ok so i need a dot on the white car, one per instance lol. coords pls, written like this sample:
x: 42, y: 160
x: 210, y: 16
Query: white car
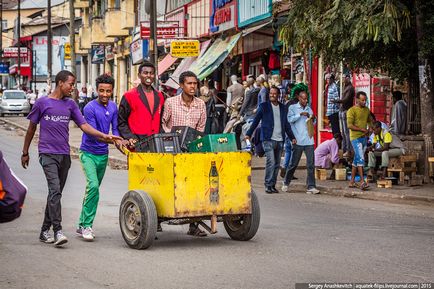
x: 14, y: 102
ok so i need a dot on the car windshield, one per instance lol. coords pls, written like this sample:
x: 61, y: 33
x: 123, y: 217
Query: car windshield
x: 14, y: 95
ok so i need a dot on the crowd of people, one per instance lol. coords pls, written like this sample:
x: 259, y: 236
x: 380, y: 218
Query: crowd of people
x: 275, y: 118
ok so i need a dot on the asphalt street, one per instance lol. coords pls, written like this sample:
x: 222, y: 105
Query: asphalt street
x: 302, y: 238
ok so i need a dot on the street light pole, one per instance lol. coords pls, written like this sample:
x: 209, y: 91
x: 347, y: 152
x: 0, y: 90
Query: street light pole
x: 19, y: 45
x: 49, y: 45
x: 153, y: 39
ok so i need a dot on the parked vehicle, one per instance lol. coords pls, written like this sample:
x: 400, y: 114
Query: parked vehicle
x: 14, y: 102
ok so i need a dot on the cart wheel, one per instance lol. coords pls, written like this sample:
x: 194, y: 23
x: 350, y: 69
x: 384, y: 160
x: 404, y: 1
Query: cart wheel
x: 244, y: 227
x: 138, y: 219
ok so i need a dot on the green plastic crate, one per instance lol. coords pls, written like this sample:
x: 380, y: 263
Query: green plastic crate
x: 214, y: 143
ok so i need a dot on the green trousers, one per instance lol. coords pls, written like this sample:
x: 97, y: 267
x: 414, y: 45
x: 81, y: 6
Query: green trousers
x: 94, y: 167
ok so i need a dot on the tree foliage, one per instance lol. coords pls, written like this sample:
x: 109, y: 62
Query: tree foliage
x: 365, y: 34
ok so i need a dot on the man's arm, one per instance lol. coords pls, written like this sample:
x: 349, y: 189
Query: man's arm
x: 335, y: 154
x: 88, y: 129
x: 293, y: 116
x: 27, y: 141
x: 255, y: 122
x: 167, y: 115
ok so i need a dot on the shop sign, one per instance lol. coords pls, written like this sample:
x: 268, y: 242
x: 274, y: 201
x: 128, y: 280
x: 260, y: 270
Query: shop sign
x: 185, y: 48
x: 67, y: 51
x: 165, y: 29
x: 109, y: 54
x: 98, y: 54
x: 362, y: 82
x: 139, y: 50
x: 12, y: 52
x: 222, y: 15
x: 4, y: 68
x: 58, y: 62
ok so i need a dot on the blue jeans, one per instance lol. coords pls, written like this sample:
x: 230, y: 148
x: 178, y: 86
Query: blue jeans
x: 310, y: 164
x: 273, y: 152
x: 288, y: 153
x: 359, y: 146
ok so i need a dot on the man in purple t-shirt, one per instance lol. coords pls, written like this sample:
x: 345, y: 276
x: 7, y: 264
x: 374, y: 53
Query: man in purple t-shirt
x: 100, y: 113
x: 53, y: 113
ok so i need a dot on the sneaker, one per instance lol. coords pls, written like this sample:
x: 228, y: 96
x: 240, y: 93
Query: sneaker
x: 46, y: 237
x: 285, y: 188
x: 60, y: 239
x: 313, y: 191
x: 87, y: 234
x: 79, y: 230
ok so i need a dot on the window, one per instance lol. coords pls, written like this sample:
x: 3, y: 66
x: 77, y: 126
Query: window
x: 4, y: 25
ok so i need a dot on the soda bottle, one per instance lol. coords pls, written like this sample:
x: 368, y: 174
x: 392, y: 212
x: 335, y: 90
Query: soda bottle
x: 213, y: 184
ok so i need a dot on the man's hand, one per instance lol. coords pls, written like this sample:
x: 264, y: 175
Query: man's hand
x: 132, y: 142
x: 294, y: 141
x: 121, y: 145
x: 247, y: 138
x: 25, y: 160
x: 304, y: 113
x: 109, y: 138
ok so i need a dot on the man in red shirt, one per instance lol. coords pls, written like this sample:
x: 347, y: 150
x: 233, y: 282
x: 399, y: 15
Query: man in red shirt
x: 140, y: 108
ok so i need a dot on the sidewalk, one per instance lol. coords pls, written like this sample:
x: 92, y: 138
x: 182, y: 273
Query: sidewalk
x: 418, y: 194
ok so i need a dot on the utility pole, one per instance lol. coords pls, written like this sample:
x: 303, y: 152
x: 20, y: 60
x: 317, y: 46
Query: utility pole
x: 72, y: 36
x: 1, y: 38
x: 49, y: 46
x: 153, y: 39
x: 19, y: 45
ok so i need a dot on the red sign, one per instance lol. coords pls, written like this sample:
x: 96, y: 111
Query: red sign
x: 165, y: 29
x: 12, y: 52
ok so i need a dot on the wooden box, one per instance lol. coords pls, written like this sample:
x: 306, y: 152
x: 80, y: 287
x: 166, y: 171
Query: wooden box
x: 321, y: 174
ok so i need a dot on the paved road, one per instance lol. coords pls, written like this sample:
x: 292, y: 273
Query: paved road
x: 302, y: 238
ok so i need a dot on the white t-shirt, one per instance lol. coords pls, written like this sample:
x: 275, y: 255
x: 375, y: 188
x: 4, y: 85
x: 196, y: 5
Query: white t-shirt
x: 277, y: 131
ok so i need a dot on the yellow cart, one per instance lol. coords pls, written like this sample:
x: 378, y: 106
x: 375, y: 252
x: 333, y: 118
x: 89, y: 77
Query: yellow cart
x: 185, y: 188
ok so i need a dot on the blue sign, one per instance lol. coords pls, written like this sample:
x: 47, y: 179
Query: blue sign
x: 4, y: 68
x: 223, y: 16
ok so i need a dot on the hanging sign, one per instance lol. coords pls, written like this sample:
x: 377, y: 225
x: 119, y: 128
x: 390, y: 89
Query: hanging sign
x: 184, y: 48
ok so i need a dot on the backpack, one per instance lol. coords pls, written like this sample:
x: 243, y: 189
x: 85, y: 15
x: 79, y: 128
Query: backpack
x: 12, y: 193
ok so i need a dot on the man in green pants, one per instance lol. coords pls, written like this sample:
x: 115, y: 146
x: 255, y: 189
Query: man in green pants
x: 100, y: 114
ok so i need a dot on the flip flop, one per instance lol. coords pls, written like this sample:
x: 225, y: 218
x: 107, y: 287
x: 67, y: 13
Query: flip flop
x: 363, y: 186
x: 352, y: 185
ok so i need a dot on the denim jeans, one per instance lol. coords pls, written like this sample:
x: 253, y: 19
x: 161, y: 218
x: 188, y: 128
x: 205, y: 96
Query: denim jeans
x: 56, y: 169
x: 273, y: 152
x: 310, y: 164
x: 359, y: 146
x: 288, y: 153
x: 346, y: 143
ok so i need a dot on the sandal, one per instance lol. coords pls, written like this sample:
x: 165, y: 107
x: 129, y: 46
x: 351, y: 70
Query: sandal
x: 352, y: 185
x: 196, y: 232
x: 363, y: 186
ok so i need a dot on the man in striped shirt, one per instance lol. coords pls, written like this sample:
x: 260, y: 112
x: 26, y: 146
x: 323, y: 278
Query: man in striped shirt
x: 333, y: 105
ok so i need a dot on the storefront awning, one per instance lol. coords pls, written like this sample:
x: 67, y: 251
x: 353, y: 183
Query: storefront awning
x: 214, y: 56
x: 164, y: 64
x: 185, y: 65
x: 254, y: 28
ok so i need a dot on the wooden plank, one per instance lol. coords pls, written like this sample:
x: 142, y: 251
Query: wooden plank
x: 384, y: 184
x: 404, y: 170
x: 408, y: 158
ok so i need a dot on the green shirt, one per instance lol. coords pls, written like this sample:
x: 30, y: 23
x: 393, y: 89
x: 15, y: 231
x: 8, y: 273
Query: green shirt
x: 359, y: 117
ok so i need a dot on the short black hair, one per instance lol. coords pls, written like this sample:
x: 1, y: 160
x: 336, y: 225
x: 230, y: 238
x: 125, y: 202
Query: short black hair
x: 377, y: 124
x: 397, y: 95
x: 105, y: 78
x: 63, y: 76
x: 146, y: 64
x: 338, y: 136
x: 359, y: 93
x: 186, y: 74
x: 276, y: 88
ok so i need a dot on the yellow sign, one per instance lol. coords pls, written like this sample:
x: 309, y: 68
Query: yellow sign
x: 184, y: 48
x: 67, y: 51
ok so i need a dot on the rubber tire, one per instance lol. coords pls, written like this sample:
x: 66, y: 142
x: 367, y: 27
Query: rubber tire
x: 250, y: 225
x: 148, y: 219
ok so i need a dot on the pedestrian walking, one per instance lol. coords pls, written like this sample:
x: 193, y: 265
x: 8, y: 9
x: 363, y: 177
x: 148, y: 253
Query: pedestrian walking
x: 358, y: 119
x: 301, y: 116
x: 332, y: 112
x: 274, y: 126
x: 186, y: 110
x: 54, y: 113
x: 101, y: 114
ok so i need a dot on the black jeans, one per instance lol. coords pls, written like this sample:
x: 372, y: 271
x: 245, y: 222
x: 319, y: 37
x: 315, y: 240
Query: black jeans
x: 334, y: 122
x: 56, y: 169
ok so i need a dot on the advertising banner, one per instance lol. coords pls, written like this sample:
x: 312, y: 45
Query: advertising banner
x: 98, y: 54
x: 40, y: 44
